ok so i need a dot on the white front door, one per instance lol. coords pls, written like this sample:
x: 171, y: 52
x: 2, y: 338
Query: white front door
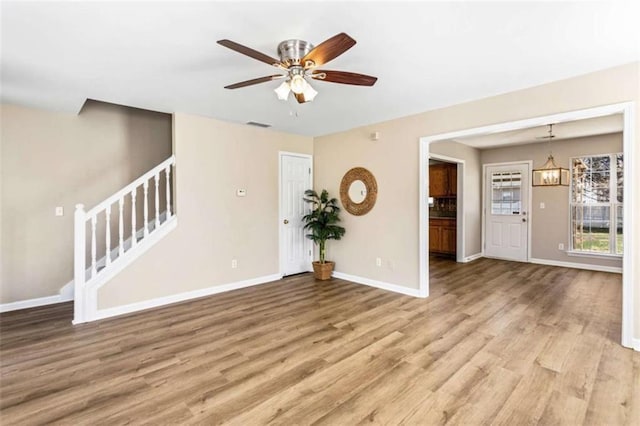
x: 507, y: 215
x: 295, y: 248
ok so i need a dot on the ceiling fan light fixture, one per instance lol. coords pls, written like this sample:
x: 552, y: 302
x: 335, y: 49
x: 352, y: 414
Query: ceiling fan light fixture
x: 309, y: 93
x: 283, y: 91
x: 298, y: 84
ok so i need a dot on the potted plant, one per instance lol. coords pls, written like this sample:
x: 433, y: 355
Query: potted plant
x: 322, y: 222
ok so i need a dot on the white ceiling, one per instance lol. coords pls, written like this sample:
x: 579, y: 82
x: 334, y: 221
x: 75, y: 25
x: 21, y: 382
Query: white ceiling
x: 163, y: 56
x: 567, y: 130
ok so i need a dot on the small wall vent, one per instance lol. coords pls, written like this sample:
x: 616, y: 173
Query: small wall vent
x: 254, y: 123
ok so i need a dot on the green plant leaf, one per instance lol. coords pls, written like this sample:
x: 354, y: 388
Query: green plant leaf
x: 321, y: 220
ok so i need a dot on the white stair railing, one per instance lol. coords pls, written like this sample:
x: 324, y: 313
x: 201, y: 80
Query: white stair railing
x: 115, y: 256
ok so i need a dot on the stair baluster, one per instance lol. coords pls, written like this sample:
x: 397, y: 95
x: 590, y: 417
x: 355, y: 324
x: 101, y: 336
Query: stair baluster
x: 157, y: 199
x: 134, y: 239
x: 146, y: 208
x: 120, y: 227
x: 167, y: 173
x: 94, y: 269
x: 107, y: 236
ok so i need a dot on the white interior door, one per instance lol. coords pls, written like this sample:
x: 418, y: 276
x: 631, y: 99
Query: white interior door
x: 506, y: 217
x: 295, y: 178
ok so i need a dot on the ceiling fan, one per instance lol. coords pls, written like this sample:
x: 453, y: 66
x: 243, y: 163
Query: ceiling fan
x: 299, y: 59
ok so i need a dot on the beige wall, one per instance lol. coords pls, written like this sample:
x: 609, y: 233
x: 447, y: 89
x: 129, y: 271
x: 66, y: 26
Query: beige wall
x: 471, y: 193
x: 55, y: 159
x: 214, y: 158
x: 391, y: 229
x: 550, y: 226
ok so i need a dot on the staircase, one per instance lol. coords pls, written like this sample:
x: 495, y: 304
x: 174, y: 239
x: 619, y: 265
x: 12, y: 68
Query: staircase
x: 96, y: 260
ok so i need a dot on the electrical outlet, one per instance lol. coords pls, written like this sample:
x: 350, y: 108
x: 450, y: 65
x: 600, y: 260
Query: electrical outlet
x: 378, y: 261
x: 560, y: 246
x: 234, y: 263
x: 542, y: 206
x: 59, y: 211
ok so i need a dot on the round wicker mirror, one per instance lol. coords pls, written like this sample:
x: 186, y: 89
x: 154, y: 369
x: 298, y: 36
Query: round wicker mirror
x: 358, y: 191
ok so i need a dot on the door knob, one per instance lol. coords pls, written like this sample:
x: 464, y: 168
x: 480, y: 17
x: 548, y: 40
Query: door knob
x: 524, y: 220
x: 286, y: 221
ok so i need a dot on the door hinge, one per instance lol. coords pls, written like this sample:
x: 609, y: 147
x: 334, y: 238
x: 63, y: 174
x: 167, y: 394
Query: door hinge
x: 309, y: 252
x: 309, y: 170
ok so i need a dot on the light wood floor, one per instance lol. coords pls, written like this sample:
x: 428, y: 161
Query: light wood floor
x: 493, y: 344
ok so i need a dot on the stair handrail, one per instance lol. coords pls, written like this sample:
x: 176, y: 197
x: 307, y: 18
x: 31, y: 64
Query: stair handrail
x: 127, y: 189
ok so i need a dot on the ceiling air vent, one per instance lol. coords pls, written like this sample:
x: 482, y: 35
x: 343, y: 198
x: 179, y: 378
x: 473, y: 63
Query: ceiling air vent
x: 253, y: 123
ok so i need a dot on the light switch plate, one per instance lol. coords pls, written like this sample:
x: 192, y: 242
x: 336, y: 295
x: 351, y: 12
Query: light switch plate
x: 542, y: 206
x: 241, y: 192
x: 59, y: 211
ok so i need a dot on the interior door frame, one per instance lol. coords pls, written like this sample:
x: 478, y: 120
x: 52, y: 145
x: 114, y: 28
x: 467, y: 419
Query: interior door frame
x: 282, y: 154
x: 460, y: 249
x: 483, y: 211
x: 630, y: 273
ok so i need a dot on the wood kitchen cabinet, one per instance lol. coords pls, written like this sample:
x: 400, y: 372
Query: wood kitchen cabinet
x: 434, y: 237
x: 442, y: 236
x: 443, y: 180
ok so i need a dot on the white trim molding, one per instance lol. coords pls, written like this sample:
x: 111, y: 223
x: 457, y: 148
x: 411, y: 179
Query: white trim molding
x: 575, y: 265
x: 32, y: 303
x: 631, y: 272
x: 636, y: 345
x: 181, y: 297
x: 379, y: 284
x: 67, y: 291
x: 472, y: 258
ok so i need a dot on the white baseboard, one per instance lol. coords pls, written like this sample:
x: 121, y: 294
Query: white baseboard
x: 181, y: 297
x: 614, y: 269
x: 379, y: 284
x: 472, y: 258
x: 636, y: 344
x: 32, y: 303
x: 67, y: 292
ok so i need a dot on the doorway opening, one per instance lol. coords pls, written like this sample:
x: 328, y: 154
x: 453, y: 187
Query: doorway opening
x: 445, y: 200
x: 475, y: 217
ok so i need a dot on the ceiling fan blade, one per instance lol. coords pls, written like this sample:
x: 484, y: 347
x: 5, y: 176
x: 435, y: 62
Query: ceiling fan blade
x: 249, y: 52
x: 344, y: 77
x: 254, y: 81
x: 299, y: 97
x: 329, y: 49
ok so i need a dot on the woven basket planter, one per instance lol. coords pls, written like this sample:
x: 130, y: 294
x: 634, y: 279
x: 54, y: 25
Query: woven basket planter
x: 322, y: 271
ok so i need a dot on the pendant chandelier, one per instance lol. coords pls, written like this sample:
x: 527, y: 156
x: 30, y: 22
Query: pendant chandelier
x: 550, y: 174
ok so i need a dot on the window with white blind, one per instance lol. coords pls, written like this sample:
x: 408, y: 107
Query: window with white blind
x: 596, y: 204
x: 505, y: 193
